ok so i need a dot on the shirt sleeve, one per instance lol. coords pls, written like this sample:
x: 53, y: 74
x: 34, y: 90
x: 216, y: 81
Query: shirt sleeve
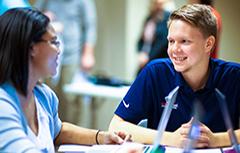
x: 12, y: 135
x: 134, y: 106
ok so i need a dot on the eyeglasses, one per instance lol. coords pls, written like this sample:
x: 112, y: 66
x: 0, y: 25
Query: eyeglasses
x: 54, y: 42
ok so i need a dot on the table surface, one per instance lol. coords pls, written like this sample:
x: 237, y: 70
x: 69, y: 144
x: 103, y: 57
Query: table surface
x: 80, y: 86
x: 147, y: 148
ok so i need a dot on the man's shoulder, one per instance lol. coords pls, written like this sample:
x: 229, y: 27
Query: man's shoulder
x: 225, y: 65
x: 159, y: 67
x: 225, y: 70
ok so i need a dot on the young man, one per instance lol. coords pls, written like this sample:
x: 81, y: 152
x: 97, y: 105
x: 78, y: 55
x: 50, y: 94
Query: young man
x: 191, y: 37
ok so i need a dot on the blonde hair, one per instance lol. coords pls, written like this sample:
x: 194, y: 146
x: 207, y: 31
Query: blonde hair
x: 197, y: 15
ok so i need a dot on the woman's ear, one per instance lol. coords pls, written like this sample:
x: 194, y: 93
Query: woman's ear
x: 210, y: 43
x: 33, y: 50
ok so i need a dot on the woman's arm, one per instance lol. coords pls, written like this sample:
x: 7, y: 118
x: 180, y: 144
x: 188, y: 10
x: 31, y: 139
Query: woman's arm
x: 72, y: 134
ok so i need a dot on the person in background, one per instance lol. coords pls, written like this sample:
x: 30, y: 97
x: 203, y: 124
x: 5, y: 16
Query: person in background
x: 191, y: 38
x: 29, y: 120
x: 7, y: 4
x: 215, y: 51
x: 79, y: 20
x: 153, y: 41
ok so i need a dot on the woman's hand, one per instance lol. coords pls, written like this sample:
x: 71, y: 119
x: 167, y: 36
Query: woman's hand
x: 105, y: 137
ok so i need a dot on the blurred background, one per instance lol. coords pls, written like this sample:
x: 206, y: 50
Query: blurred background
x: 119, y: 26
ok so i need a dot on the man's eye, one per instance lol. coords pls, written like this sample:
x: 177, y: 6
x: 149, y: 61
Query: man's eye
x: 185, y: 41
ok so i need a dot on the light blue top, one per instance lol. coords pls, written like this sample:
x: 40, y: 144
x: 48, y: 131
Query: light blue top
x: 7, y: 4
x: 15, y: 134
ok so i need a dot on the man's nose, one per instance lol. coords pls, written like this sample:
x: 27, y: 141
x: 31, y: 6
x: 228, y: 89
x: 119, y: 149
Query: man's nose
x: 176, y: 47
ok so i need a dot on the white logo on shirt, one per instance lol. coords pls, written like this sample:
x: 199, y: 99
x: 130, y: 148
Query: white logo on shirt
x: 125, y: 104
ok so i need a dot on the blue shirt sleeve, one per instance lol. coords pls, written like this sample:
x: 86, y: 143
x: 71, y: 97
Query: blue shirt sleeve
x: 12, y: 135
x: 13, y: 129
x: 134, y: 106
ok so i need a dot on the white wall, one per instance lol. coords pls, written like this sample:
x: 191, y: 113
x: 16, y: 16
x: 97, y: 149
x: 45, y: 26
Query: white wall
x: 135, y: 16
x: 111, y: 43
x: 230, y: 38
x: 119, y: 25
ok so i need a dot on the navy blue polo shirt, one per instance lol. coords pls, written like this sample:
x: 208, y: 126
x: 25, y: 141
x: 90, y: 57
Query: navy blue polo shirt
x: 146, y: 97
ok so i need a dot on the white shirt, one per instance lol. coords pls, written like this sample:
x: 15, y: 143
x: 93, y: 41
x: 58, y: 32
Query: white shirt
x: 43, y: 139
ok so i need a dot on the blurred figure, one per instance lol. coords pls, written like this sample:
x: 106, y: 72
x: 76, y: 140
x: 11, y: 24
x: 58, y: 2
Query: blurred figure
x: 78, y: 18
x: 215, y: 51
x: 7, y: 4
x: 153, y: 41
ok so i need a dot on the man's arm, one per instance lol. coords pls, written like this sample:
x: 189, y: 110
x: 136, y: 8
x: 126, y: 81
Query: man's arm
x: 220, y: 139
x: 176, y: 138
x: 143, y: 135
x: 139, y: 134
x: 146, y: 135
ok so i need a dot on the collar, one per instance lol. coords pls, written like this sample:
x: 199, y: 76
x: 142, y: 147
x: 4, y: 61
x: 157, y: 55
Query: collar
x: 210, y: 81
x: 180, y: 81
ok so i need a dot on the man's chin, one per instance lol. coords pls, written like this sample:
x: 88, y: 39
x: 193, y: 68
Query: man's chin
x: 179, y: 69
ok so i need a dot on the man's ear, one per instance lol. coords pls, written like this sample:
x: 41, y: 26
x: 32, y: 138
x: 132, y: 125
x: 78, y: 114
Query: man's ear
x: 210, y: 43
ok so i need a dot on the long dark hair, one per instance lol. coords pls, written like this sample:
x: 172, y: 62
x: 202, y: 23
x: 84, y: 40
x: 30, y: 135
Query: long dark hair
x: 19, y: 29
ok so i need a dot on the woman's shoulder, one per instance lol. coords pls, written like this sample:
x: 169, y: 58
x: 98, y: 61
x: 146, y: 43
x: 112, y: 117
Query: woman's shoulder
x: 44, y: 89
x: 46, y: 96
x: 8, y: 93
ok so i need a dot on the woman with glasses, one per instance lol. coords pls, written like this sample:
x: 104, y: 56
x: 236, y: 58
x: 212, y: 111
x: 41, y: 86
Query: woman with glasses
x: 29, y: 109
